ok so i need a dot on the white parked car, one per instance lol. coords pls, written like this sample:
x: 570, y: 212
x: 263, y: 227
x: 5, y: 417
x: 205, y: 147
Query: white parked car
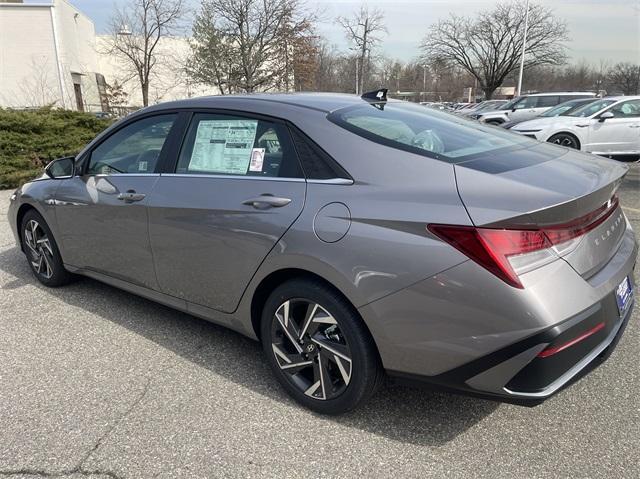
x: 610, y: 126
x: 526, y: 107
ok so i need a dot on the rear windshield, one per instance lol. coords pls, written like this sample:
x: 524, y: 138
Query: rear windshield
x: 424, y: 131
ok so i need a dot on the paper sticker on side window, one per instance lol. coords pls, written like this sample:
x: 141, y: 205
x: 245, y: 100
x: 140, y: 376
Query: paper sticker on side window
x: 223, y: 146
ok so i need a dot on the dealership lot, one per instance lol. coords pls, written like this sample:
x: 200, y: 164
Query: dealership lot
x: 97, y: 382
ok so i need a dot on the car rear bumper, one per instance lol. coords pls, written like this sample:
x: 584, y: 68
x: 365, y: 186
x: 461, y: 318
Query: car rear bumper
x: 464, y: 331
x: 494, y: 383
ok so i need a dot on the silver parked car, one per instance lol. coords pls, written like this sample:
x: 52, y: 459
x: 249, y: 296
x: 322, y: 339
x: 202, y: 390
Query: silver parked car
x: 354, y: 237
x: 528, y: 106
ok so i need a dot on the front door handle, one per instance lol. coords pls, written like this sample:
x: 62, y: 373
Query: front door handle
x: 131, y: 196
x: 267, y: 201
x: 634, y: 126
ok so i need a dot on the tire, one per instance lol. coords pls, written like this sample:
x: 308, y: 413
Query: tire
x: 335, y: 367
x: 42, y: 251
x: 565, y: 139
x: 494, y: 122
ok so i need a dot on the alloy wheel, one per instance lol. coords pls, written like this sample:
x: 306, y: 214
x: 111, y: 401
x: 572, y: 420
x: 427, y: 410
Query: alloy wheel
x: 564, y: 140
x: 311, y: 349
x: 39, y: 249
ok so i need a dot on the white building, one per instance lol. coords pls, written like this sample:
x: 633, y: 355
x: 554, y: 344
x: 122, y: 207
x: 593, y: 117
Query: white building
x: 47, y: 57
x: 50, y: 55
x: 168, y: 78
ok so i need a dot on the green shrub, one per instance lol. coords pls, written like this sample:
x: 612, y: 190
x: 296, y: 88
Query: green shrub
x: 29, y: 140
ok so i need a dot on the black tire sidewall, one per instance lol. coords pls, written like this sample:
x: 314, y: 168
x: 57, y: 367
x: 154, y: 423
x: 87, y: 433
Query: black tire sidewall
x: 365, y: 362
x: 575, y: 146
x: 60, y: 275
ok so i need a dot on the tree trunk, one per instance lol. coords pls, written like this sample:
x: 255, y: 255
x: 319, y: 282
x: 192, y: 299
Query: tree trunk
x: 145, y: 93
x: 488, y: 92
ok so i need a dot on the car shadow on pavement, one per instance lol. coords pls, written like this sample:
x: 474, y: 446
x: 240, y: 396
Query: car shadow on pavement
x: 408, y: 415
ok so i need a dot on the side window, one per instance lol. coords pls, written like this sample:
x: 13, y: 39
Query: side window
x: 548, y: 101
x: 317, y: 164
x: 241, y: 146
x: 628, y: 109
x: 133, y: 149
x: 527, y: 102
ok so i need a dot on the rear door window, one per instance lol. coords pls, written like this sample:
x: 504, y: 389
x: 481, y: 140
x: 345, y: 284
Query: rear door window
x: 239, y: 146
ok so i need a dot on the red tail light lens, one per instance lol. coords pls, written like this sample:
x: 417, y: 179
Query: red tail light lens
x: 491, y: 248
x: 562, y: 233
x: 510, y: 252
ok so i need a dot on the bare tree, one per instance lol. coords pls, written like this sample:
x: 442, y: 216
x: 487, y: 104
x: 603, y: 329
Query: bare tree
x: 39, y: 88
x: 136, y: 30
x: 364, y: 31
x: 489, y: 45
x: 249, y: 45
x: 626, y: 78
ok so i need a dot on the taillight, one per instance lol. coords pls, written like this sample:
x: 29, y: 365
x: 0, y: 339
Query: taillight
x: 508, y: 253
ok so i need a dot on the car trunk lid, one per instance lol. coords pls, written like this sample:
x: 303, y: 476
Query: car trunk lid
x: 547, y: 187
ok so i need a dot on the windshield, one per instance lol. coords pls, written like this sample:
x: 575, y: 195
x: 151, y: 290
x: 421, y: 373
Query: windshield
x: 429, y: 133
x: 592, y: 108
x: 565, y: 108
x: 489, y: 105
x: 509, y: 104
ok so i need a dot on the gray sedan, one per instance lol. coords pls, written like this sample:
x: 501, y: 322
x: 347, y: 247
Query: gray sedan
x: 355, y: 237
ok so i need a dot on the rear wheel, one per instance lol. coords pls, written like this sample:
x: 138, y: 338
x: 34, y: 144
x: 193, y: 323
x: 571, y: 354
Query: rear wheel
x: 494, y: 122
x: 318, y: 347
x: 42, y: 251
x: 566, y: 140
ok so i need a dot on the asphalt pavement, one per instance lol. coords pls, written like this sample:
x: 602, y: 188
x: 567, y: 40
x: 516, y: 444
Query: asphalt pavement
x: 96, y: 382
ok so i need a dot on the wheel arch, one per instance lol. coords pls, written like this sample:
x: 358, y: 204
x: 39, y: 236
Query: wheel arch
x: 274, y: 279
x: 569, y: 133
x: 22, y: 211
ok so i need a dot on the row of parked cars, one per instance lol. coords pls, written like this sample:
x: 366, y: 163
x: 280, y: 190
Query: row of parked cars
x: 580, y: 120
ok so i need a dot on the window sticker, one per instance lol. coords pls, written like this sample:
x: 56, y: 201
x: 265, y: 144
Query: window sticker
x: 257, y: 159
x: 223, y: 146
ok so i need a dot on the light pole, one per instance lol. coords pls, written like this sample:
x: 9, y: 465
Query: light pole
x: 424, y: 82
x: 524, y: 47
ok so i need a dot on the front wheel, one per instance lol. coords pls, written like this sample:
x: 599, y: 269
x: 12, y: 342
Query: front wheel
x: 42, y: 251
x: 566, y: 140
x: 318, y: 347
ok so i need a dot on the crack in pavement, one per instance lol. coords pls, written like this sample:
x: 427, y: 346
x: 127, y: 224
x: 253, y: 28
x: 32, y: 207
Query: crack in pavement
x: 39, y: 473
x: 79, y: 468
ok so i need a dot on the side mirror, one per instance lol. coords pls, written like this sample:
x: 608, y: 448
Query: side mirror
x: 605, y: 116
x: 61, y: 168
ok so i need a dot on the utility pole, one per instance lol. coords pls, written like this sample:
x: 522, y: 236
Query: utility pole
x: 524, y: 47
x: 357, y: 79
x: 424, y: 82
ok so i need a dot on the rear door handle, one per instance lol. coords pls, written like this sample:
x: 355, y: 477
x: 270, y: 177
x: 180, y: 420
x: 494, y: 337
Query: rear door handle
x: 131, y: 196
x: 265, y: 201
x: 634, y: 126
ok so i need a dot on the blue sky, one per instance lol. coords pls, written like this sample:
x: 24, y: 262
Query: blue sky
x: 600, y: 29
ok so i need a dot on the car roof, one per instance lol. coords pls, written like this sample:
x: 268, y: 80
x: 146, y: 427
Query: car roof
x: 554, y: 93
x: 622, y: 97
x: 325, y: 102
